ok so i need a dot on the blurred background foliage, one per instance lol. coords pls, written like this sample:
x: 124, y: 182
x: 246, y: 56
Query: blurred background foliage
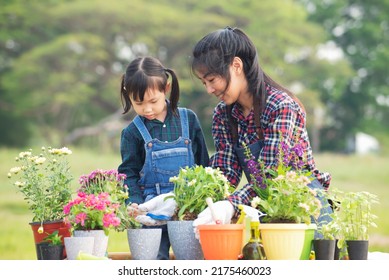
x: 61, y: 63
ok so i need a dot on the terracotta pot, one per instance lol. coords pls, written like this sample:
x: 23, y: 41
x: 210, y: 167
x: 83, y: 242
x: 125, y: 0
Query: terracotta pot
x: 48, y: 228
x: 221, y: 242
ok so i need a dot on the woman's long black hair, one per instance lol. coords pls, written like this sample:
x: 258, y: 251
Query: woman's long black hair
x: 214, y: 54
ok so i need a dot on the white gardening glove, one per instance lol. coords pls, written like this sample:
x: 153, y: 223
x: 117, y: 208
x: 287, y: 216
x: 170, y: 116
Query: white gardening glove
x: 157, y: 211
x: 224, y: 211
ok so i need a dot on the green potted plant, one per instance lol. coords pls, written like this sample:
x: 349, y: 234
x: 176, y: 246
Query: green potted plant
x: 52, y: 247
x: 44, y: 180
x: 289, y: 204
x: 355, y: 217
x: 325, y: 244
x: 192, y: 186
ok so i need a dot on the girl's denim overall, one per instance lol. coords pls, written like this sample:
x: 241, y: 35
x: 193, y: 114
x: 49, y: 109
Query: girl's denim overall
x: 164, y: 160
x: 315, y: 184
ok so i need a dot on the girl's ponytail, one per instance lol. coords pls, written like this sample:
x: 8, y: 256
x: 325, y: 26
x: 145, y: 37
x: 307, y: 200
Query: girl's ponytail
x: 126, y: 102
x: 175, y: 90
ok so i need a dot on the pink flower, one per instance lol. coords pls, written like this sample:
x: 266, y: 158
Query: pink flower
x: 81, y: 217
x: 110, y: 220
x: 99, y: 201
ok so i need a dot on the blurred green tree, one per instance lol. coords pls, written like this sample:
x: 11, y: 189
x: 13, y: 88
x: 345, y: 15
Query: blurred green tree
x: 361, y: 29
x: 61, y: 60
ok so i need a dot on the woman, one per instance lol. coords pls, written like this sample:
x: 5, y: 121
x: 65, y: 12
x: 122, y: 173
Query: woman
x: 253, y: 110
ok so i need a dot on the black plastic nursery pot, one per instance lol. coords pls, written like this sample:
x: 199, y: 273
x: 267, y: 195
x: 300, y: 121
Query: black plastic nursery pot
x: 324, y: 249
x: 357, y: 249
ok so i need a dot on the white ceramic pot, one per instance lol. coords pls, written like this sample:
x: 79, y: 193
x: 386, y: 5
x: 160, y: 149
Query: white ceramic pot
x: 100, y: 241
x: 74, y: 245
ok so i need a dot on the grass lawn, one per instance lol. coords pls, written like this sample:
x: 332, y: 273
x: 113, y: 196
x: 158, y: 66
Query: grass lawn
x: 353, y: 173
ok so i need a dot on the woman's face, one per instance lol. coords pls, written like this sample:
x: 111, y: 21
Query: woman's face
x: 217, y: 85
x: 153, y: 105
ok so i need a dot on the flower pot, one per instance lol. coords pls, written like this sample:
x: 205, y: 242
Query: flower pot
x: 287, y: 241
x: 324, y: 249
x: 100, y: 241
x: 48, y: 228
x: 75, y: 245
x: 357, y: 249
x: 144, y: 243
x: 50, y: 252
x: 221, y: 242
x: 337, y: 250
x: 184, y: 243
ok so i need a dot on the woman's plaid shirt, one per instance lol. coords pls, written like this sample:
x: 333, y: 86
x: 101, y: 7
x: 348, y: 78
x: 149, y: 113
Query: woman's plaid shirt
x: 281, y: 114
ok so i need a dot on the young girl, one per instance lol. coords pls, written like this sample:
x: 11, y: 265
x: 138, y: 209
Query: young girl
x: 161, y: 139
x: 253, y: 110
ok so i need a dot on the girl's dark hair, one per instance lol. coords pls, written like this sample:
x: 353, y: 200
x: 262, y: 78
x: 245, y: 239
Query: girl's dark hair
x: 146, y: 73
x: 214, y: 53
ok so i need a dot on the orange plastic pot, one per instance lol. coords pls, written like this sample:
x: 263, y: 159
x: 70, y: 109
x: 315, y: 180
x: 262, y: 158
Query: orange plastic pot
x: 221, y: 242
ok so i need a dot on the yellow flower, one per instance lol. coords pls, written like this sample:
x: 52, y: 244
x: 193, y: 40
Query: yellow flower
x: 40, y: 230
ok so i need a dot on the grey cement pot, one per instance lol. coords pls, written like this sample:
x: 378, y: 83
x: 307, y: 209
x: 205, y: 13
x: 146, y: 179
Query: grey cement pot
x: 144, y: 243
x: 183, y: 241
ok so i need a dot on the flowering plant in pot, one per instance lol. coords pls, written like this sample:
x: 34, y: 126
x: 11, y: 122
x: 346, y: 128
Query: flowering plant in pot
x: 284, y: 196
x: 98, y: 207
x: 192, y: 186
x: 283, y: 192
x: 44, y: 179
x: 112, y: 182
x: 91, y: 212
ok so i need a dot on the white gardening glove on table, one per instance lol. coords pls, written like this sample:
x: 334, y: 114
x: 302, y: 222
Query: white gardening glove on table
x: 156, y: 211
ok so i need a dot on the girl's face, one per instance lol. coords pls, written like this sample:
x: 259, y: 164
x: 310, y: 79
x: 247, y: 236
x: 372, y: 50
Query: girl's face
x: 153, y: 105
x: 217, y: 85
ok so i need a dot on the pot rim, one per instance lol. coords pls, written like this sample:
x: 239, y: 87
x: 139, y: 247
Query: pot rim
x: 221, y: 227
x: 287, y: 226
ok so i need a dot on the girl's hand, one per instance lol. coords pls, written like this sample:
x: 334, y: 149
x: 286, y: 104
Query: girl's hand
x: 133, y: 210
x: 156, y: 211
